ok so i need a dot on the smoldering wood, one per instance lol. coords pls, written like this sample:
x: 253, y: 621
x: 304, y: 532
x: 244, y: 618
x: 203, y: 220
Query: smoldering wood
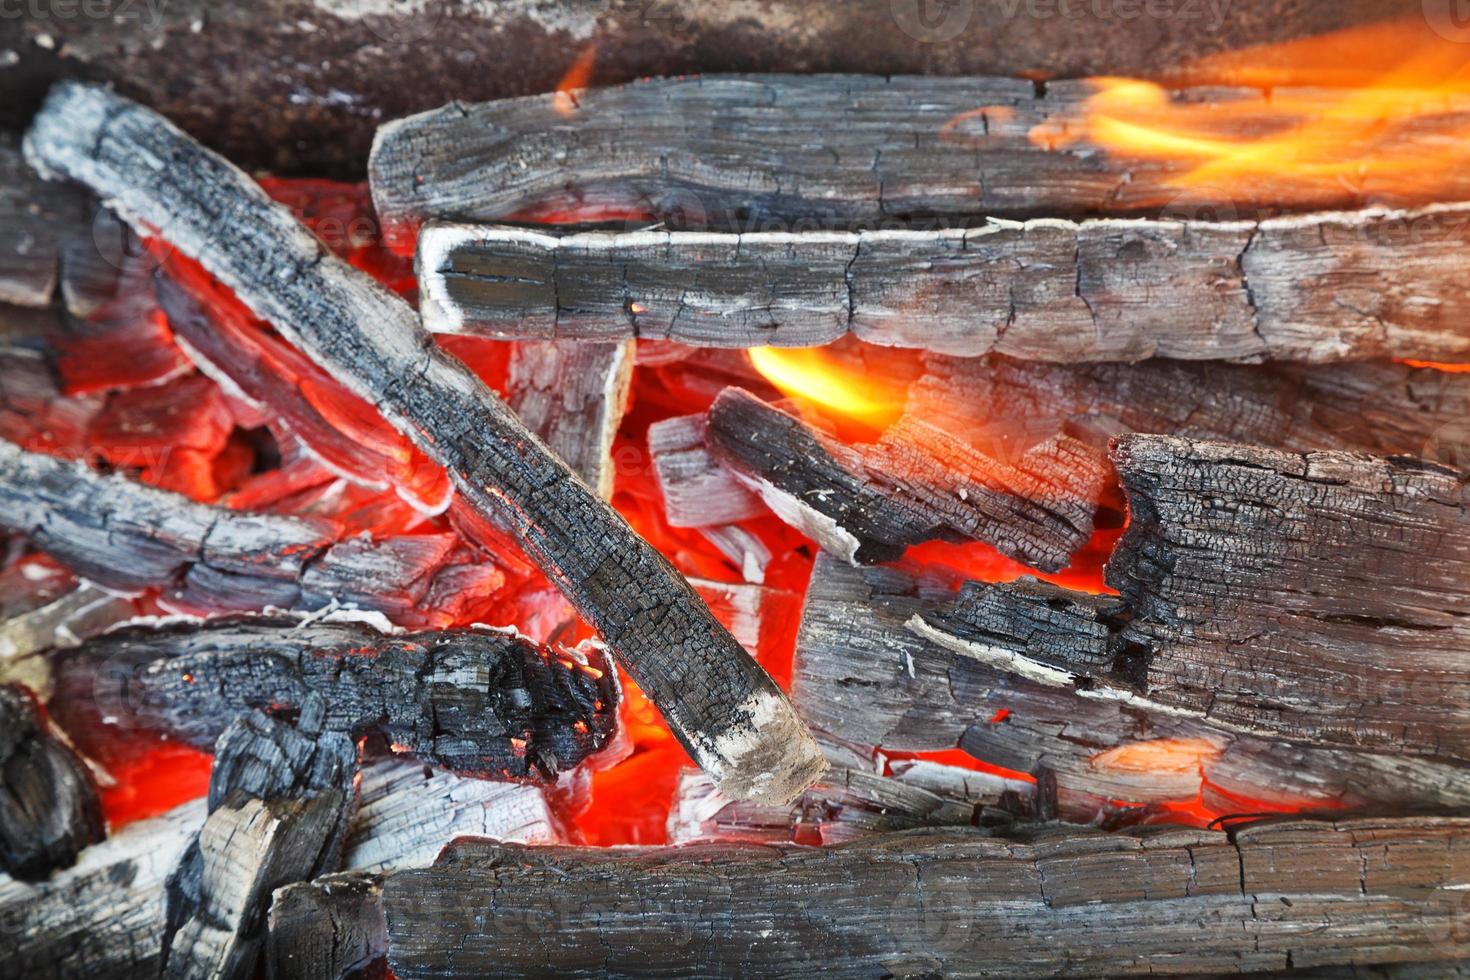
x: 280, y: 799
x: 697, y: 490
x: 868, y: 674
x: 127, y: 536
x: 473, y: 701
x: 1316, y: 287
x: 1065, y: 901
x: 1373, y: 406
x: 893, y: 148
x: 721, y: 705
x: 34, y: 217
x: 82, y: 613
x: 1317, y: 596
x: 845, y: 804
x: 326, y: 929
x: 915, y: 483
x: 745, y: 550
x: 49, y: 809
x: 573, y: 397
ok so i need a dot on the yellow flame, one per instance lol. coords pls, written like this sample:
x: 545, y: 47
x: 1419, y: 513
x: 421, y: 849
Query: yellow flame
x: 1158, y: 755
x: 814, y: 375
x: 578, y: 74
x: 1396, y: 128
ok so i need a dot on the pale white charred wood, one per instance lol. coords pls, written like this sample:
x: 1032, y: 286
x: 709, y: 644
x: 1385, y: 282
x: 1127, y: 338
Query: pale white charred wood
x: 1317, y: 596
x: 916, y: 483
x: 720, y: 704
x: 66, y: 621
x: 49, y: 809
x: 697, y: 490
x: 872, y: 671
x: 474, y: 701
x: 573, y: 397
x: 737, y: 152
x: 279, y: 803
x: 1062, y: 903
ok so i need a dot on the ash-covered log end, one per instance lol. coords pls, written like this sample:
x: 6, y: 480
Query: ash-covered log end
x: 769, y: 756
x: 49, y: 809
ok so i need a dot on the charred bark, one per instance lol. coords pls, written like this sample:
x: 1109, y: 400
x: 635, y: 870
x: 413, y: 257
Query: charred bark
x: 331, y: 928
x: 916, y: 483
x: 1064, y: 902
x: 472, y: 701
x: 1044, y: 290
x: 279, y: 803
x: 721, y: 705
x: 48, y: 800
x: 34, y: 219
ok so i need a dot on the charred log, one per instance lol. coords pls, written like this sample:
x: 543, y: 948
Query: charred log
x: 48, y: 800
x: 127, y: 536
x: 892, y: 148
x: 1065, y: 902
x: 916, y: 483
x: 472, y: 701
x: 279, y: 803
x: 328, y: 929
x: 697, y: 490
x: 1044, y: 290
x: 573, y: 397
x: 1043, y: 692
x: 34, y: 216
x: 722, y: 706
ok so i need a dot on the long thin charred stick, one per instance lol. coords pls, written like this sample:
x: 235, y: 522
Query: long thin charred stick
x: 472, y: 701
x: 1071, y: 902
x: 721, y: 705
x: 1318, y: 287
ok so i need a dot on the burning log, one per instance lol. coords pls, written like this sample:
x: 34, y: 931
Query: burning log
x: 327, y: 929
x: 48, y: 801
x: 1377, y: 407
x: 1064, y: 902
x: 474, y: 701
x: 873, y: 670
x: 279, y: 803
x: 916, y: 483
x: 1045, y: 290
x: 892, y: 148
x: 1321, y: 597
x: 721, y: 705
x: 127, y: 536
x: 573, y: 397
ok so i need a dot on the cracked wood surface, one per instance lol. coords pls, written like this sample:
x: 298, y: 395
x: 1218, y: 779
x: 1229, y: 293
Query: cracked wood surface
x: 280, y: 800
x: 1319, y: 596
x: 872, y: 671
x: 868, y: 502
x: 1316, y: 287
x: 473, y: 701
x: 720, y: 704
x: 730, y: 152
x: 35, y: 218
x: 327, y: 929
x: 128, y: 536
x: 49, y: 809
x: 1063, y: 902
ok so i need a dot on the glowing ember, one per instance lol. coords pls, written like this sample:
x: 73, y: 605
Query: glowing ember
x: 812, y: 374
x: 1159, y: 755
x: 1395, y: 131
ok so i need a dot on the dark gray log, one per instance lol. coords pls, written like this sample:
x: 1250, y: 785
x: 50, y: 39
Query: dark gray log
x: 1064, y: 903
x: 1376, y: 407
x: 314, y: 81
x: 327, y: 929
x: 279, y: 803
x: 34, y: 218
x: 573, y: 397
x: 48, y: 800
x: 890, y: 148
x: 871, y: 672
x: 128, y: 536
x: 1316, y: 596
x: 1322, y: 287
x: 722, y: 706
x: 916, y: 483
x: 474, y: 701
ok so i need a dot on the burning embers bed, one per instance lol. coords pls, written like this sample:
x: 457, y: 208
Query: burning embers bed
x: 1073, y: 662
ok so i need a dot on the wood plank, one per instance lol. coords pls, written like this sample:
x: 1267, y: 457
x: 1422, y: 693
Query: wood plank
x: 721, y: 705
x: 1316, y: 287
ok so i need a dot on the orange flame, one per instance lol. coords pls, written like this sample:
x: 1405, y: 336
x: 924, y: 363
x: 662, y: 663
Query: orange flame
x: 1159, y: 755
x: 814, y: 375
x: 575, y: 79
x: 1397, y: 132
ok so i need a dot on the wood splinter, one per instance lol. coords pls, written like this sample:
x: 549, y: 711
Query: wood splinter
x: 730, y: 715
